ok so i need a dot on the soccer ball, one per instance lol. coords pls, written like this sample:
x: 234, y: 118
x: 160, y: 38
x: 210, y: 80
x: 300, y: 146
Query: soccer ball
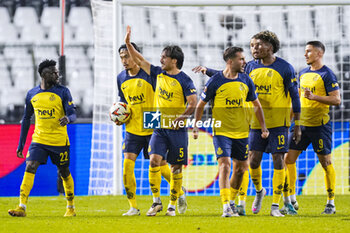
x: 119, y: 111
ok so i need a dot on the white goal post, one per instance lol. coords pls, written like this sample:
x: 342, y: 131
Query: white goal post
x: 203, y: 36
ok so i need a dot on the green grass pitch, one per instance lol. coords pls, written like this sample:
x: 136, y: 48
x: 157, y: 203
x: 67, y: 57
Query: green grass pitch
x: 104, y: 214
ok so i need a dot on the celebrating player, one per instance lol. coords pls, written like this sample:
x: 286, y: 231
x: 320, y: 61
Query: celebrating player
x: 319, y: 89
x: 136, y: 88
x: 276, y: 86
x: 174, y: 90
x: 230, y: 89
x: 242, y: 194
x: 53, y: 108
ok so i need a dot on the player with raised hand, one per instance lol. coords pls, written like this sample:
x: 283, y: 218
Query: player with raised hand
x: 175, y: 100
x: 136, y: 88
x: 53, y: 108
x: 277, y: 90
x: 319, y: 89
x: 230, y: 90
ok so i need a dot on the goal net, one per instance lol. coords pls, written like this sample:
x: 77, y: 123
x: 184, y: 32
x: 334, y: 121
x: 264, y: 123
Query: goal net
x: 203, y: 32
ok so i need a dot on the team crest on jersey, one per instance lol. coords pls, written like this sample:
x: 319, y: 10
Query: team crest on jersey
x: 270, y: 73
x: 173, y: 83
x: 52, y: 97
x: 139, y: 83
x: 241, y: 87
x: 315, y: 78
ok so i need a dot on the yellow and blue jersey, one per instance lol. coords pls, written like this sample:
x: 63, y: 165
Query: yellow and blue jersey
x: 230, y: 98
x: 138, y: 92
x: 48, y: 106
x: 319, y: 82
x: 170, y: 94
x: 274, y: 85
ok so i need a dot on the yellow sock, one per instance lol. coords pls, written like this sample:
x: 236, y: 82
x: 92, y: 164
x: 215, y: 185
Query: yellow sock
x: 68, y: 185
x: 292, y: 172
x: 165, y: 170
x: 256, y: 175
x: 244, y: 187
x: 130, y: 182
x: 175, y: 187
x: 233, y: 194
x: 225, y: 195
x: 286, y: 185
x: 329, y: 178
x: 155, y: 178
x: 277, y: 184
x: 26, y: 186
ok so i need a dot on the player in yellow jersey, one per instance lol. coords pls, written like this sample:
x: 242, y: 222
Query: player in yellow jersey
x: 242, y: 194
x: 53, y: 108
x: 136, y: 88
x: 175, y: 100
x: 230, y: 90
x: 277, y: 90
x: 319, y: 89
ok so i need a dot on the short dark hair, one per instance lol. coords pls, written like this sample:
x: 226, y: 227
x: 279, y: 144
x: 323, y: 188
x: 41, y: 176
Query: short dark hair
x: 270, y: 37
x: 231, y: 52
x: 175, y: 52
x: 123, y: 46
x: 45, y: 64
x: 317, y: 44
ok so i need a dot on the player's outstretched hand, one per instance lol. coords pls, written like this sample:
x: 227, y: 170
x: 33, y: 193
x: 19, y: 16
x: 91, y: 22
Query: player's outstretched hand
x: 201, y: 69
x: 127, y: 35
x: 297, y: 134
x: 195, y: 132
x: 19, y: 154
x: 64, y: 121
x: 265, y: 133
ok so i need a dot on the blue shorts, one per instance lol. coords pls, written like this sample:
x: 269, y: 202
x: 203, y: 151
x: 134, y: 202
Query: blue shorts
x: 170, y: 144
x: 229, y: 147
x: 59, y: 154
x: 320, y: 137
x: 277, y: 142
x: 135, y: 143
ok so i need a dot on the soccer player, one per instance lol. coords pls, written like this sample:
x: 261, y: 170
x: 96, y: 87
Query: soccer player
x: 229, y: 90
x: 136, y: 88
x: 53, y: 108
x: 277, y: 89
x: 174, y: 90
x: 242, y: 194
x: 319, y: 89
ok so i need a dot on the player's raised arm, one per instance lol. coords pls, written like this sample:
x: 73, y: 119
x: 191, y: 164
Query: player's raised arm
x: 205, y: 70
x: 135, y: 55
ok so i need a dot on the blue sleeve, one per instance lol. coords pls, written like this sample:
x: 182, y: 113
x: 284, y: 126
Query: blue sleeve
x: 155, y: 70
x: 209, y: 91
x: 251, y: 93
x: 291, y: 86
x: 294, y: 94
x: 211, y: 72
x: 188, y: 87
x: 330, y: 82
x: 25, y: 124
x: 120, y: 93
x: 69, y: 106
